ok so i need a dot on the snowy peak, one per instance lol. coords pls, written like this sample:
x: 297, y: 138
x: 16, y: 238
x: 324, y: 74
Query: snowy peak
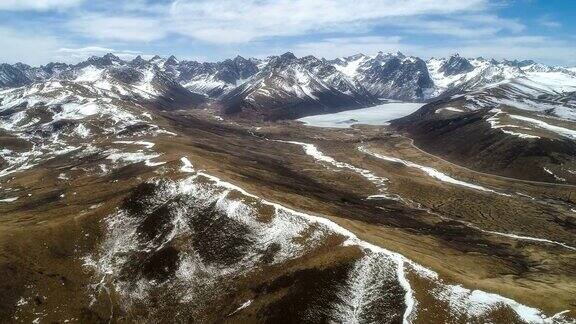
x: 245, y: 68
x: 104, y: 61
x: 456, y: 65
x: 11, y: 76
x: 288, y: 56
x: 283, y: 61
x: 171, y: 61
x: 139, y: 61
x: 209, y: 79
x: 383, y: 57
x: 290, y: 87
x: 349, y: 65
x: 457, y: 74
x: 156, y: 59
x: 287, y: 80
x: 395, y: 76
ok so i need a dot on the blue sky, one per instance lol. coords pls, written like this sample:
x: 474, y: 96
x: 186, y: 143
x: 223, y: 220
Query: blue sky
x: 40, y: 31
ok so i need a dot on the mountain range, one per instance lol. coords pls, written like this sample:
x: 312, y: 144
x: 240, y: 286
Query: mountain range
x: 287, y: 87
x: 513, y: 118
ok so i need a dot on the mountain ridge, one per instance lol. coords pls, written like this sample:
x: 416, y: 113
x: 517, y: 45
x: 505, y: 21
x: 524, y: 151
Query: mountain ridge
x: 288, y: 87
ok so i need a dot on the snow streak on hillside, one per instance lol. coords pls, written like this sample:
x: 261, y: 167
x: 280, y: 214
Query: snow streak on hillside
x: 195, y: 274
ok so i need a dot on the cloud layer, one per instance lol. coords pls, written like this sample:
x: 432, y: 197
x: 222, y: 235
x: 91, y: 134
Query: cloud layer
x: 73, y: 29
x: 228, y: 21
x: 38, y: 4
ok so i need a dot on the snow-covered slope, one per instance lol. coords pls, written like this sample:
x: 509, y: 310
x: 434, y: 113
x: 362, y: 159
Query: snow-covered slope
x: 395, y: 76
x: 549, y: 93
x: 12, y: 76
x: 457, y: 74
x: 72, y: 112
x: 369, y: 79
x: 210, y: 79
x: 53, y: 118
x: 388, y: 76
x: 286, y: 86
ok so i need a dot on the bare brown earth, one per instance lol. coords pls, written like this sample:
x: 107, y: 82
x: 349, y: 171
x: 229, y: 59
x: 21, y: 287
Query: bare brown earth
x: 548, y: 157
x: 45, y: 234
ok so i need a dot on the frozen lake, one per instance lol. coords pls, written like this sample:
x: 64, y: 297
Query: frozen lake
x: 377, y: 115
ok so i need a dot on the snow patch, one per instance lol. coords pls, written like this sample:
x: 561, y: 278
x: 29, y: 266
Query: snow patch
x: 244, y: 305
x: 429, y: 171
x: 452, y: 109
x: 554, y: 175
x: 186, y: 165
x: 566, y: 132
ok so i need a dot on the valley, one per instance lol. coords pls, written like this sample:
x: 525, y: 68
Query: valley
x: 482, y: 244
x: 127, y: 197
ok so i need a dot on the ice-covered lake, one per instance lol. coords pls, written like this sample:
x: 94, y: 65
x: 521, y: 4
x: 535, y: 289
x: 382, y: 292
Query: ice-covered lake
x: 377, y: 115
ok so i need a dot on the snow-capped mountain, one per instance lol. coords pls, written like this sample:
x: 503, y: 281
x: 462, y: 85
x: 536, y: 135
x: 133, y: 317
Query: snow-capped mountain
x: 130, y: 209
x: 64, y: 107
x: 12, y: 76
x: 456, y: 74
x: 138, y: 78
x: 292, y: 87
x: 286, y: 86
x: 210, y: 79
x: 389, y: 76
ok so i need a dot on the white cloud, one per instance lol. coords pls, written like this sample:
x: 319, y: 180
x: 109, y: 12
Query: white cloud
x: 122, y: 28
x: 226, y: 21
x: 548, y: 22
x: 30, y: 48
x: 517, y: 47
x: 82, y: 53
x: 37, y: 4
x: 446, y: 27
x: 464, y: 26
x: 38, y: 48
x: 538, y: 48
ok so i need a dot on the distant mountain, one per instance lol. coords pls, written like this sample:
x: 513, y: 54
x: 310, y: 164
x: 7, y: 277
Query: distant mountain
x: 388, y: 76
x: 210, y: 79
x: 285, y: 86
x: 288, y: 87
x: 108, y: 74
x: 54, y: 109
x: 12, y: 76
